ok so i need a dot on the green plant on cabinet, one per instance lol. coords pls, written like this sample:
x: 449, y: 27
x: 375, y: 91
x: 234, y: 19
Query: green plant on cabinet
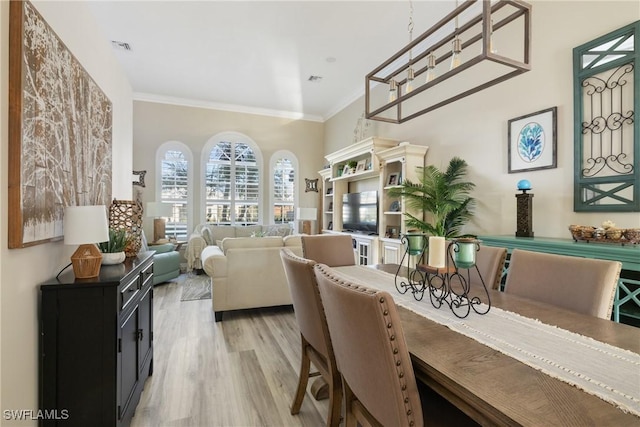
x: 118, y: 240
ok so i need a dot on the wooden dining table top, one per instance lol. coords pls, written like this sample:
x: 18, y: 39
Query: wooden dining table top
x: 495, y: 389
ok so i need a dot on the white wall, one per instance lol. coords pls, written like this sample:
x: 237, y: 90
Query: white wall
x: 475, y: 128
x: 156, y: 123
x: 21, y: 270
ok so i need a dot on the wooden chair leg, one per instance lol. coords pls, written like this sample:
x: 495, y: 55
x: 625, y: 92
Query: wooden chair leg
x: 335, y: 401
x: 305, y: 366
x: 350, y: 416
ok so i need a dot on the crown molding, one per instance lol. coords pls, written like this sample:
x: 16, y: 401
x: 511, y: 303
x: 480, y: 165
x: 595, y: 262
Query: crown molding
x: 162, y: 99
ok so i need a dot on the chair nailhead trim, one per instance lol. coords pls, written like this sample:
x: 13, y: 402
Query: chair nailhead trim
x: 398, y: 363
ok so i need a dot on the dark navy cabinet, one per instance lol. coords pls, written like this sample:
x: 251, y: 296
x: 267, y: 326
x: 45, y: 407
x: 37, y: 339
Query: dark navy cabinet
x: 96, y: 344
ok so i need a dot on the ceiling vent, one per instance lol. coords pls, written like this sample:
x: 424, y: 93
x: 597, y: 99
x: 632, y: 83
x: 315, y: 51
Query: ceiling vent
x: 315, y: 79
x: 120, y: 45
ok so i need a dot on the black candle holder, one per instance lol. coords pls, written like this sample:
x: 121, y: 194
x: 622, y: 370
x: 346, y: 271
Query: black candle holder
x: 450, y: 285
x: 415, y: 245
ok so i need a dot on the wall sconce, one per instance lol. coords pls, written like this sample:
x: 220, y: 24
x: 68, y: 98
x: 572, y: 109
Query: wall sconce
x: 466, y: 53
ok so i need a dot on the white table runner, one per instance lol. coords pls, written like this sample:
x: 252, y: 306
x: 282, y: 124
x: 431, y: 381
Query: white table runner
x: 611, y: 373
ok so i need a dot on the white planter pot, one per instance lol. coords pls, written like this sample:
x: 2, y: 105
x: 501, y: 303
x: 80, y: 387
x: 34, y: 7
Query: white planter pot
x: 112, y: 258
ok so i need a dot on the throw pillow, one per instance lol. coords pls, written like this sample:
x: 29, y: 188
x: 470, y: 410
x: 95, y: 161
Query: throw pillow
x: 276, y: 230
x: 206, y: 235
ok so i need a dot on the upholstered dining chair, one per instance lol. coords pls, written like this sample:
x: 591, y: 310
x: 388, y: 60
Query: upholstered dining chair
x: 314, y: 334
x: 334, y: 250
x: 490, y: 261
x: 379, y: 384
x: 583, y: 285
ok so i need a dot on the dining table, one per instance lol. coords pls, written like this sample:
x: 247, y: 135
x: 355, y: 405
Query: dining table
x: 494, y: 388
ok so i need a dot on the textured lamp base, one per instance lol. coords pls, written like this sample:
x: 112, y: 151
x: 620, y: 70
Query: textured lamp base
x: 306, y: 227
x: 159, y: 229
x: 86, y: 261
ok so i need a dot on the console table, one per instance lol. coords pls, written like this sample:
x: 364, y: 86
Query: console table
x: 96, y: 344
x: 626, y: 308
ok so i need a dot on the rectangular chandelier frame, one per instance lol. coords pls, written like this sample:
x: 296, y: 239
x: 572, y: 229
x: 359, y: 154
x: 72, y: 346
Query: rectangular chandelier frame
x: 380, y: 75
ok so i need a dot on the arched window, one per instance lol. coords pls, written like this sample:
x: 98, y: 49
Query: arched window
x: 284, y: 176
x: 232, y: 179
x: 175, y: 186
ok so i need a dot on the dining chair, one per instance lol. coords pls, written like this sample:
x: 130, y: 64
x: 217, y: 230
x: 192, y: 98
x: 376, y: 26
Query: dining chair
x: 378, y: 380
x: 490, y: 261
x: 583, y: 285
x: 314, y: 334
x: 334, y: 250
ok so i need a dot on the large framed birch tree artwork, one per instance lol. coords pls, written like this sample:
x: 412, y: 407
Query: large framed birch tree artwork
x: 59, y: 131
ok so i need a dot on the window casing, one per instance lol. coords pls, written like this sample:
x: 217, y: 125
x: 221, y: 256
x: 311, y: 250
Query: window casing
x: 175, y: 187
x: 232, y: 180
x: 283, y: 188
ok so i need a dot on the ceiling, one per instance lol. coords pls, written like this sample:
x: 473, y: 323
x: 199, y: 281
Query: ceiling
x: 258, y: 56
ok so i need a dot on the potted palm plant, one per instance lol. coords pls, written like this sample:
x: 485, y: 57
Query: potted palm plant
x: 113, y: 249
x: 443, y: 196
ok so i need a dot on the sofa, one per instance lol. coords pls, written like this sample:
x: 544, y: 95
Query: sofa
x: 166, y: 263
x: 166, y: 260
x: 247, y: 272
x: 209, y: 234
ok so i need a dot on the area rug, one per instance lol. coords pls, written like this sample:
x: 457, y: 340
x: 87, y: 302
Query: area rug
x: 195, y: 287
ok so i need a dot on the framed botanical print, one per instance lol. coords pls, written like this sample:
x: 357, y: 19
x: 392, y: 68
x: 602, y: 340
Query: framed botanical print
x: 532, y: 141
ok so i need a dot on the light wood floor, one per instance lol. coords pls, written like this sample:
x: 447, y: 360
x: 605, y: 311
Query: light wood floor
x: 239, y: 372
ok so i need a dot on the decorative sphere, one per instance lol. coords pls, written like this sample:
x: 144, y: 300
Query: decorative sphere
x: 524, y: 184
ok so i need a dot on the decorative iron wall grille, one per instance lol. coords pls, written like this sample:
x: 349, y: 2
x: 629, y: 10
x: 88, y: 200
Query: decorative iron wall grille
x: 606, y: 135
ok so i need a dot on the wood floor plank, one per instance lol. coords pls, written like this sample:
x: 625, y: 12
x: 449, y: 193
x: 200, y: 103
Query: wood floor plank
x: 242, y: 371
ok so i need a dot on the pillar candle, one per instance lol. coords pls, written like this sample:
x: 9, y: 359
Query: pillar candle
x: 436, y: 251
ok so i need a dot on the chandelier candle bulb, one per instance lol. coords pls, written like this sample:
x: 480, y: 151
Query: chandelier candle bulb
x: 436, y: 251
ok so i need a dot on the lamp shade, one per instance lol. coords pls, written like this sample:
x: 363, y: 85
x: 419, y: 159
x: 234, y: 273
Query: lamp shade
x: 158, y: 210
x: 306, y: 214
x: 85, y: 224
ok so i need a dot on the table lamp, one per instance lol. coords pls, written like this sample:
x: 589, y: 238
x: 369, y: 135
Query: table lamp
x: 306, y: 215
x: 159, y: 211
x: 85, y: 226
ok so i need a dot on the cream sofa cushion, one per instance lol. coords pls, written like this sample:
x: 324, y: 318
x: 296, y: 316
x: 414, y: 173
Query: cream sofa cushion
x: 292, y: 240
x: 250, y: 242
x: 207, y: 234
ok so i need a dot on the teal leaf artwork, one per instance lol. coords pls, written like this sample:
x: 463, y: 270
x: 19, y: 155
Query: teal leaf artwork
x: 531, y: 142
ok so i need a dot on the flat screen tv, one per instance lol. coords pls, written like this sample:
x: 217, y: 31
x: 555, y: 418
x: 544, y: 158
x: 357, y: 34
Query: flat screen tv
x: 360, y: 212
